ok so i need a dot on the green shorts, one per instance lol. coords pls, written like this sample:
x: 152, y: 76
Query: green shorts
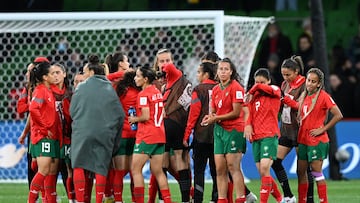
x: 265, y: 148
x: 311, y: 153
x: 126, y: 146
x: 228, y: 142
x: 46, y: 148
x: 65, y: 153
x: 149, y: 149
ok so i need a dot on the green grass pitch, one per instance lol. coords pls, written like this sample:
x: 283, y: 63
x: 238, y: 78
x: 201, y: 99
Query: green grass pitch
x: 338, y: 191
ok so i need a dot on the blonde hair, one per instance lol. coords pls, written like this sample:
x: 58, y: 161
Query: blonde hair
x: 321, y: 77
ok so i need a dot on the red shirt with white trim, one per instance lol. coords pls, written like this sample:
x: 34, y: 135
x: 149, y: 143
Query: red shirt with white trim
x: 222, y: 101
x: 264, y: 109
x: 151, y: 131
x: 314, y: 119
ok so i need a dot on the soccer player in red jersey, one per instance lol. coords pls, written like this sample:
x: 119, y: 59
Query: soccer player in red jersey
x: 262, y: 130
x: 44, y: 123
x: 150, y: 136
x: 23, y: 107
x: 118, y: 63
x: 127, y: 92
x: 62, y: 92
x: 227, y: 113
x: 313, y: 139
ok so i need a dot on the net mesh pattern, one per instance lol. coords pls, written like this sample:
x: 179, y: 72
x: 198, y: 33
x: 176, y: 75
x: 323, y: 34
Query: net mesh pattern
x: 70, y: 42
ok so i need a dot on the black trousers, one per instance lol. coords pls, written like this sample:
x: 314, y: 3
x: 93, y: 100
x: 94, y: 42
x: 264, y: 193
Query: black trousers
x: 202, y: 153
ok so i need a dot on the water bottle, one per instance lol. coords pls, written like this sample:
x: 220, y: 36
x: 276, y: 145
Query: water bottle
x: 132, y: 112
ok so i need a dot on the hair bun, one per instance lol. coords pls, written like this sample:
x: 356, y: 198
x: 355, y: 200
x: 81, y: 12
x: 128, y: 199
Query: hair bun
x: 94, y: 59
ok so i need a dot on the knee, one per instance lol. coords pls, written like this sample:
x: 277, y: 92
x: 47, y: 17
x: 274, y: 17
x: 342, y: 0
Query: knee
x: 318, y: 176
x: 277, y: 165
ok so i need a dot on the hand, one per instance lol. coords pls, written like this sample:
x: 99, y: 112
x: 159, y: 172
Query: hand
x: 248, y: 98
x: 185, y: 143
x: 132, y: 119
x: 317, y: 131
x: 204, y: 121
x: 49, y: 135
x: 248, y: 133
x: 21, y: 138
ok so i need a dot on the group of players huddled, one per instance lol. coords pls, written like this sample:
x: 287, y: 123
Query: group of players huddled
x: 117, y: 118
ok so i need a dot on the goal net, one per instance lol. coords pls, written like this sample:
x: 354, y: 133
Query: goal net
x: 69, y: 38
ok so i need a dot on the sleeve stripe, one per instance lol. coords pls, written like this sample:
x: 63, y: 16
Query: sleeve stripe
x: 38, y: 100
x: 195, y: 101
x: 23, y: 96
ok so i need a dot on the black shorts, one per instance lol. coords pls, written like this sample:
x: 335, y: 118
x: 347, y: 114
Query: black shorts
x: 174, y: 135
x: 286, y: 142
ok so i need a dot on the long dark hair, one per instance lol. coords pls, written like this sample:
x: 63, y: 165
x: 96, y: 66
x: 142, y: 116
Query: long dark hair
x: 66, y: 79
x: 37, y: 73
x: 94, y: 65
x: 234, y: 75
x: 321, y: 77
x: 210, y: 68
x: 294, y: 63
x: 264, y: 73
x: 148, y: 73
x: 126, y: 82
x: 112, y: 60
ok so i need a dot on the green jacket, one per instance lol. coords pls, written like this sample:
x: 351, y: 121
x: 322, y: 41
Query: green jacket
x: 96, y: 127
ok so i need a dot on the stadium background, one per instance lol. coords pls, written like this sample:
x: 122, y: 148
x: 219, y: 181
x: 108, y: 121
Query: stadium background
x: 18, y: 49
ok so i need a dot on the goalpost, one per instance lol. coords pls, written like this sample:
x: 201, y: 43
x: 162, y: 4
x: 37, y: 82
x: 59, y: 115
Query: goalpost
x: 69, y: 38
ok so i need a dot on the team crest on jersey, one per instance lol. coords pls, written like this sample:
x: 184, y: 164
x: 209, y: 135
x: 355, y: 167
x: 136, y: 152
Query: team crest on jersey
x: 220, y: 104
x: 226, y: 94
x: 239, y: 95
x: 143, y: 100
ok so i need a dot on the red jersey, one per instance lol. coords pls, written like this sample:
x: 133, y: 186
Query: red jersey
x: 127, y: 100
x: 314, y: 119
x: 151, y: 131
x: 172, y: 75
x: 43, y: 116
x: 222, y: 101
x: 62, y: 104
x: 116, y: 76
x: 264, y: 109
x: 23, y: 102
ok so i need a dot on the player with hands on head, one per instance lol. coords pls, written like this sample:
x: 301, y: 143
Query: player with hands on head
x: 262, y: 130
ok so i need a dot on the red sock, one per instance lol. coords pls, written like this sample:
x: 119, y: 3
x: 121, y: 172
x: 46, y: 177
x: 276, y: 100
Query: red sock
x: 50, y: 188
x: 132, y: 188
x: 89, y: 182
x: 240, y: 199
x: 230, y: 192
x: 166, y: 195
x: 275, y: 192
x: 79, y: 184
x: 70, y: 188
x: 100, y: 186
x: 109, y: 183
x: 139, y: 194
x: 302, y: 191
x: 152, y: 189
x: 34, y: 165
x: 322, y: 192
x: 266, y: 184
x: 37, y: 184
x: 222, y: 200
x: 118, y: 184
